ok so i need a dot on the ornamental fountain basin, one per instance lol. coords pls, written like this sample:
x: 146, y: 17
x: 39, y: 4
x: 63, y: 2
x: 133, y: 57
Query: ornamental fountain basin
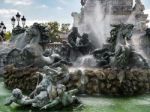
x: 89, y: 81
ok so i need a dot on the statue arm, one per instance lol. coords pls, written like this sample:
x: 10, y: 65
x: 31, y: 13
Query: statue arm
x: 69, y: 46
x: 73, y: 44
x: 9, y: 101
x: 42, y: 74
x: 129, y: 35
x: 52, y: 104
x: 32, y: 94
x: 70, y: 40
x: 111, y: 53
x: 28, y: 102
x: 53, y: 70
x: 56, y: 64
x: 61, y: 62
x: 85, y: 45
x: 118, y: 52
x: 72, y: 92
x: 115, y: 26
x: 79, y: 35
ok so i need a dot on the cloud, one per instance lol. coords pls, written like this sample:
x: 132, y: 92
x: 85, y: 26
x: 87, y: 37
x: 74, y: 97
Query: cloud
x: 59, y: 8
x: 8, y: 12
x: 19, y: 2
x: 30, y: 22
x: 43, y: 6
x: 63, y: 2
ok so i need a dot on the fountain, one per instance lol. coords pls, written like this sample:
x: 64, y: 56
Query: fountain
x: 107, y: 59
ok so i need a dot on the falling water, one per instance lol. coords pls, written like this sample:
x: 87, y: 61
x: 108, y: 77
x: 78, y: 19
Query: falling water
x: 85, y: 61
x: 5, y: 47
x: 95, y: 22
x: 136, y: 43
x: 21, y: 40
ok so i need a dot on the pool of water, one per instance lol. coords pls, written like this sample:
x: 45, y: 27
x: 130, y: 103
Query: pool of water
x: 92, y: 104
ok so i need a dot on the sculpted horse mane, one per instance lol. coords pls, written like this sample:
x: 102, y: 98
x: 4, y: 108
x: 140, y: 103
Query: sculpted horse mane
x: 37, y: 33
x: 125, y: 54
x: 30, y: 42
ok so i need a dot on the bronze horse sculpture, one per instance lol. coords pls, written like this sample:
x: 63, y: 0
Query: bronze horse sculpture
x: 31, y: 45
x: 125, y: 54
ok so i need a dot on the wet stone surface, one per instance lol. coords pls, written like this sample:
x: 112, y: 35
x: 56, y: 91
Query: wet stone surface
x: 112, y: 82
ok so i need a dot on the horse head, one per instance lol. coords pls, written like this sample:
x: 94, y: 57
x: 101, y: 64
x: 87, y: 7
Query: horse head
x: 129, y: 31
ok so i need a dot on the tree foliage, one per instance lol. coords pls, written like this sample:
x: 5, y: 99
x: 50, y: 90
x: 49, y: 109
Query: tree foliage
x: 65, y: 28
x: 55, y: 29
x: 7, y: 35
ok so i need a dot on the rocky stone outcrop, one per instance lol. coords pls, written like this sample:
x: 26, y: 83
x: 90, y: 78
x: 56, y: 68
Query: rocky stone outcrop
x: 22, y: 78
x: 114, y: 82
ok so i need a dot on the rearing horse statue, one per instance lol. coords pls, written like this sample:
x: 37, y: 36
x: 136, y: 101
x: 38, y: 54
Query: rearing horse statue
x: 31, y: 43
x: 125, y: 54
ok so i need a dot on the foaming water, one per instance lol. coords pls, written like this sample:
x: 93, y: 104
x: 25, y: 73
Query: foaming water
x: 20, y: 42
x: 73, y: 69
x: 85, y: 61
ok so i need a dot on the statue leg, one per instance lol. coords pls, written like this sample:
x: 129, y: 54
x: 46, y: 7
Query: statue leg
x: 75, y: 100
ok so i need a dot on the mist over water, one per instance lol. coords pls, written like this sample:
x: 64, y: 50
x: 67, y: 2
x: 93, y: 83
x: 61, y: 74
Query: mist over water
x: 5, y: 47
x: 97, y: 24
x: 136, y: 43
x: 20, y: 42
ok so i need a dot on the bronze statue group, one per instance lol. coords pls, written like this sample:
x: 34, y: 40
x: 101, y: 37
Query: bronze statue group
x: 48, y: 93
x: 51, y: 92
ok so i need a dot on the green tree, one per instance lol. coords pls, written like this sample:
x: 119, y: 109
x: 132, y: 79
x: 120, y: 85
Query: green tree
x: 65, y: 28
x: 54, y: 31
x: 8, y: 35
